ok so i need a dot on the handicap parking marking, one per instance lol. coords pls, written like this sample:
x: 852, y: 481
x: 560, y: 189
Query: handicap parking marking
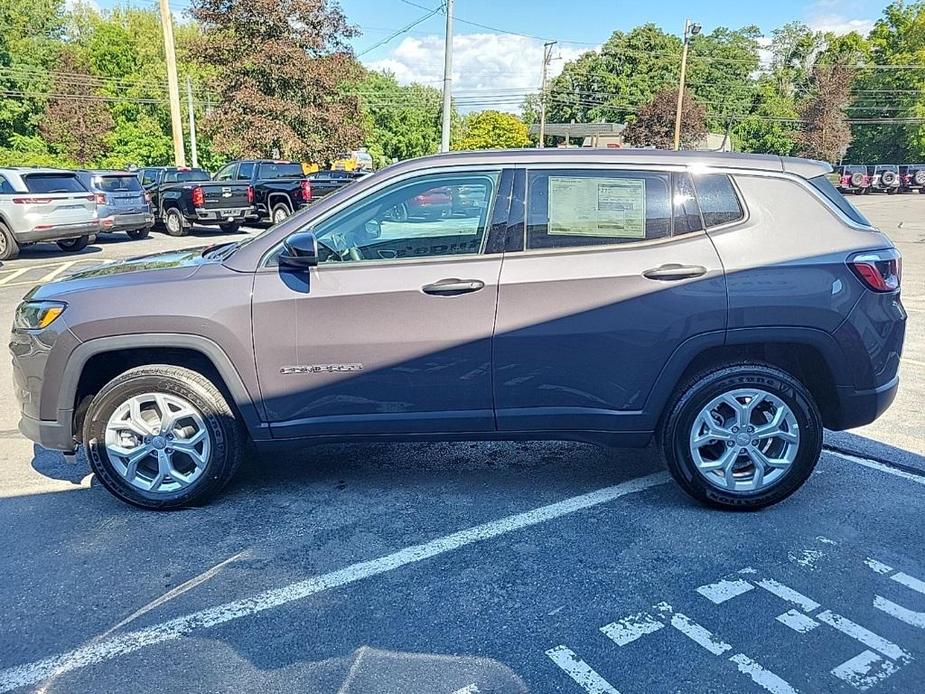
x: 878, y: 659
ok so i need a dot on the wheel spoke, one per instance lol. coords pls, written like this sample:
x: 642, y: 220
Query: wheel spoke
x: 138, y: 422
x: 725, y: 460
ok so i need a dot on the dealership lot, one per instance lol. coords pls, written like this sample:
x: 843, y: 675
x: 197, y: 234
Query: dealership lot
x: 470, y: 567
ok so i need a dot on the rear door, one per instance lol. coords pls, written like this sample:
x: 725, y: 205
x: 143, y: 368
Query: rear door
x: 615, y: 273
x: 56, y: 198
x: 391, y: 332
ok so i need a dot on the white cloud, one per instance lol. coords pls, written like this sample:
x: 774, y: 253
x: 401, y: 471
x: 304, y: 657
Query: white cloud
x: 839, y: 24
x: 499, y: 68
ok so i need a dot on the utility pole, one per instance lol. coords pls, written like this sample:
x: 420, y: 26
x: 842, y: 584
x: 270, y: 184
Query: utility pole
x: 447, y: 78
x: 173, y: 85
x: 547, y: 58
x: 690, y: 30
x: 192, y: 122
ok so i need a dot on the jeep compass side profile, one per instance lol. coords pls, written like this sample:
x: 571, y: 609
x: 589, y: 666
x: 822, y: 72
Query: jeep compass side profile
x: 729, y: 306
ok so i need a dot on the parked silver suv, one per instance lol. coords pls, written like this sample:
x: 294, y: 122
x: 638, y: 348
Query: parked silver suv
x: 728, y: 306
x: 44, y: 205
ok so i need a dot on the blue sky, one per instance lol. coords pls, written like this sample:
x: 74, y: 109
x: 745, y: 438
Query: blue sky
x: 488, y: 61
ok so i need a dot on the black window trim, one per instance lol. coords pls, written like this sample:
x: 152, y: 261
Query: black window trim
x: 731, y: 177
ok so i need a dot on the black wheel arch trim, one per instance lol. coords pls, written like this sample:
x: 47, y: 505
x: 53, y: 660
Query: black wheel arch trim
x: 243, y: 400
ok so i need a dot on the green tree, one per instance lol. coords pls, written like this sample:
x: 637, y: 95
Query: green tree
x: 278, y: 68
x: 769, y: 127
x: 491, y: 130
x: 400, y: 122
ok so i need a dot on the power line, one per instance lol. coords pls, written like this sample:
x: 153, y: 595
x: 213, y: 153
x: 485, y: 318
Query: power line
x: 401, y: 31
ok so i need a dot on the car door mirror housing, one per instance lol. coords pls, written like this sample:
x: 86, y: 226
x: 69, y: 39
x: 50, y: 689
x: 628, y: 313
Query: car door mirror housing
x: 300, y: 251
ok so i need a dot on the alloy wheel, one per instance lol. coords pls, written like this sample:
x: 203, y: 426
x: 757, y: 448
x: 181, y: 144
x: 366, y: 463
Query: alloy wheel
x: 744, y: 440
x: 158, y: 442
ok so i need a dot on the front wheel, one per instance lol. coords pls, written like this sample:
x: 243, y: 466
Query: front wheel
x: 74, y: 245
x: 742, y: 437
x: 162, y: 437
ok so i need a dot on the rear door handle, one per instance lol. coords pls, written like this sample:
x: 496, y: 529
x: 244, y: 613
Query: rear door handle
x: 452, y: 287
x: 671, y: 272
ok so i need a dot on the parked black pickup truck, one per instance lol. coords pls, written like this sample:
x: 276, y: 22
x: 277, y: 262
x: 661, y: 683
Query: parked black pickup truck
x: 280, y: 187
x: 182, y: 197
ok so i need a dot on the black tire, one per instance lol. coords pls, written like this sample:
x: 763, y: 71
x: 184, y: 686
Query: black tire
x: 230, y: 227
x: 694, y: 395
x: 228, y: 439
x: 138, y: 234
x: 73, y: 245
x: 174, y: 224
x: 9, y: 247
x: 279, y: 213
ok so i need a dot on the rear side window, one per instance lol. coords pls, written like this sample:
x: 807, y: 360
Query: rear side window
x: 280, y: 170
x: 53, y: 183
x: 719, y: 203
x: 572, y: 208
x: 684, y: 199
x: 824, y: 186
x: 118, y: 184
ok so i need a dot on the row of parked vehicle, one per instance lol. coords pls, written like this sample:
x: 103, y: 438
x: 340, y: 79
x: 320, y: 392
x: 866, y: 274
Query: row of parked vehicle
x: 861, y: 179
x: 71, y: 208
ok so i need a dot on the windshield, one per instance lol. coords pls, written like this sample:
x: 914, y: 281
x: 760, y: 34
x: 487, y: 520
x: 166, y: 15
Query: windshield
x: 824, y: 186
x: 280, y: 170
x: 185, y: 176
x: 118, y: 184
x: 53, y: 183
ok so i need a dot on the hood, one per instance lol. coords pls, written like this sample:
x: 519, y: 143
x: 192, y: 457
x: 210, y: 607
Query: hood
x: 131, y: 271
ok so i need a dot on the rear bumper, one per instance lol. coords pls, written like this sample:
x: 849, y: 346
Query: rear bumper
x: 232, y: 214
x: 59, y: 231
x: 859, y: 407
x: 127, y: 222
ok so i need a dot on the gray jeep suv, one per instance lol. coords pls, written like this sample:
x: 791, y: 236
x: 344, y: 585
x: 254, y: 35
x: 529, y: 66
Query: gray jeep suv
x: 729, y: 306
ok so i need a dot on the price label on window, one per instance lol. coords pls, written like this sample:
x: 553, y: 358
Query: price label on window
x: 612, y: 207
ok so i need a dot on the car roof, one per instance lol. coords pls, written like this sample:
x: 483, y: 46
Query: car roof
x: 807, y: 168
x: 26, y: 170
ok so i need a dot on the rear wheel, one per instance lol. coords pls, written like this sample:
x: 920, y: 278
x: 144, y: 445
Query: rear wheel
x: 279, y: 213
x: 174, y: 222
x: 742, y: 437
x: 138, y: 234
x: 162, y: 437
x: 230, y: 227
x: 74, y: 245
x: 9, y: 248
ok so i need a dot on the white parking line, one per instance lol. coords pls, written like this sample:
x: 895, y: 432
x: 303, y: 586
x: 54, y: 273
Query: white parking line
x: 117, y: 646
x: 584, y: 675
x: 14, y: 274
x: 874, y: 465
x: 62, y: 268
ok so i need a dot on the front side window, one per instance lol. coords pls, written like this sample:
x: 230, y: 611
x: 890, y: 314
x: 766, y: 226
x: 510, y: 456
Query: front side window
x: 719, y: 203
x: 435, y: 215
x: 571, y: 208
x: 226, y: 174
x: 148, y: 177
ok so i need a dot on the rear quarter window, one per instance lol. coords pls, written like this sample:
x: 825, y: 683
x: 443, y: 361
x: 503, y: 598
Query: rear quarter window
x: 53, y: 183
x: 719, y: 203
x: 824, y: 186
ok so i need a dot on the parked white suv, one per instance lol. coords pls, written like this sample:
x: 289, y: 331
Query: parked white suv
x: 44, y: 205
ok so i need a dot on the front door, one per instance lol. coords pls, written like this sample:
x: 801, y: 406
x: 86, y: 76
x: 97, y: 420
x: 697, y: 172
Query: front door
x: 391, y: 332
x: 614, y: 273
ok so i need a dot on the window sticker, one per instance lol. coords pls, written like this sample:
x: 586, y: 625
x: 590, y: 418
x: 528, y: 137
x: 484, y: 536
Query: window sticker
x: 614, y: 207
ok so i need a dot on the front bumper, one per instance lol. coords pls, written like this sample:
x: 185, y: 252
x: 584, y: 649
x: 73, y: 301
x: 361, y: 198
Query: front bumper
x: 58, y: 232
x: 56, y: 436
x: 127, y: 222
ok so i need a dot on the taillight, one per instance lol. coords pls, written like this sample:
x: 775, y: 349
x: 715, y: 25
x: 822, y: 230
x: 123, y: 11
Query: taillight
x: 880, y: 271
x: 199, y: 198
x: 306, y: 190
x: 31, y: 201
x: 100, y: 198
x: 250, y: 195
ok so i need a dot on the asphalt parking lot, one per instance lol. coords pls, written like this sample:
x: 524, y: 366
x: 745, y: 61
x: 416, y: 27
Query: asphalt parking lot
x: 470, y: 567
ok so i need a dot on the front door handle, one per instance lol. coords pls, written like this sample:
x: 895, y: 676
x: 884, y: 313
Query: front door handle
x: 671, y: 272
x: 453, y: 287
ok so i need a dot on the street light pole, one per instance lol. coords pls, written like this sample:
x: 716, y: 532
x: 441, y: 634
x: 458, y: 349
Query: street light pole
x: 173, y: 86
x: 690, y: 30
x: 547, y: 57
x: 447, y: 79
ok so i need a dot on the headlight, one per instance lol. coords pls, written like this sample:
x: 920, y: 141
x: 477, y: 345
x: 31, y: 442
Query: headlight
x: 35, y: 315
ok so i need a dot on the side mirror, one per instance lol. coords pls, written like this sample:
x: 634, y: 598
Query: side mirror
x: 300, y: 251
